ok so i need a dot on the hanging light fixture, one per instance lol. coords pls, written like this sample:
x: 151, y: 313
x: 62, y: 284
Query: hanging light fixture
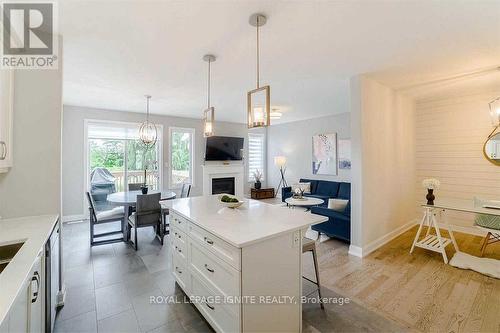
x: 259, y: 99
x: 208, y: 113
x: 148, y: 133
x: 275, y: 114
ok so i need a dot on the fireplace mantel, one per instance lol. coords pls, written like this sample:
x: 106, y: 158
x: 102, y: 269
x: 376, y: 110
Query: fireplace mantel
x: 219, y: 170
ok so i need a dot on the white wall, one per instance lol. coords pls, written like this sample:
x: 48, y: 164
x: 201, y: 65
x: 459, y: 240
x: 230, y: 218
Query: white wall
x: 73, y: 145
x: 383, y: 129
x: 33, y: 184
x: 294, y: 141
x: 450, y: 134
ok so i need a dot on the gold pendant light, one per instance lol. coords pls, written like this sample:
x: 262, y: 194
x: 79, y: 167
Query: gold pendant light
x: 259, y: 99
x: 208, y: 113
x: 495, y: 111
x: 148, y: 133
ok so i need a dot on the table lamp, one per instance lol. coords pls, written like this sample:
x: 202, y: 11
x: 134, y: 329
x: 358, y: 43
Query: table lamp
x: 280, y: 162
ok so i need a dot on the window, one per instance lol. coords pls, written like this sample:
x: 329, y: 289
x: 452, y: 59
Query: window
x: 181, y: 156
x: 255, y: 155
x: 115, y: 146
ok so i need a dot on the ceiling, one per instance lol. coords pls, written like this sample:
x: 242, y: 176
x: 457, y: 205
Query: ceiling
x: 117, y: 51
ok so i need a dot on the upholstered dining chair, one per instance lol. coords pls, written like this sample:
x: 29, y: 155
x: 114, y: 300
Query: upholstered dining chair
x: 135, y: 186
x: 107, y: 216
x: 147, y: 214
x: 185, y: 190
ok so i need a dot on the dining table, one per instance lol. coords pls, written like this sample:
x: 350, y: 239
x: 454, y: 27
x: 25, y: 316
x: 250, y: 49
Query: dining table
x: 129, y: 198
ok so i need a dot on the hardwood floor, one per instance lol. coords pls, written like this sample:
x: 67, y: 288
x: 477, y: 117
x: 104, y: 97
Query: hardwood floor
x: 416, y: 290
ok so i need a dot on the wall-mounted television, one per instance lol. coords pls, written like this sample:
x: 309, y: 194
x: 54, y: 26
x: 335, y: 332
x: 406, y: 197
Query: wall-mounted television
x: 223, y: 148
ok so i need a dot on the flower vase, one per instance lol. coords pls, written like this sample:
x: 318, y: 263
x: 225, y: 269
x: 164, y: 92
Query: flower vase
x: 144, y: 189
x: 430, y: 196
x: 258, y: 185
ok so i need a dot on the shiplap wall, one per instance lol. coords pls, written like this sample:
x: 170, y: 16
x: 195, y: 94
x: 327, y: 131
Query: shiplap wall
x: 449, y: 146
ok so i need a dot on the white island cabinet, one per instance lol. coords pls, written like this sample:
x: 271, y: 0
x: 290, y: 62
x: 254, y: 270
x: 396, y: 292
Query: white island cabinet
x: 6, y: 119
x: 241, y: 267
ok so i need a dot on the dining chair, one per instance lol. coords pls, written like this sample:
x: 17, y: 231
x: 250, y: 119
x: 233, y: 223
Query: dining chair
x: 147, y: 214
x: 135, y: 186
x: 107, y: 216
x: 185, y: 190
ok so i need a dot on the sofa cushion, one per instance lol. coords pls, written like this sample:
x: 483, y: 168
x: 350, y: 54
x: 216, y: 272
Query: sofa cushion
x: 329, y: 189
x: 314, y: 184
x: 344, y: 191
x: 330, y: 213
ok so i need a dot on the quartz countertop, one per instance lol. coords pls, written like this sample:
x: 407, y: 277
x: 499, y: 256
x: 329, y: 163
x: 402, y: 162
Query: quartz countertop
x: 34, y: 232
x: 250, y: 223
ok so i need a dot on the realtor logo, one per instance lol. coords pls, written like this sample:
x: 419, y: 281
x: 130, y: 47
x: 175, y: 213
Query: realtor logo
x: 28, y: 35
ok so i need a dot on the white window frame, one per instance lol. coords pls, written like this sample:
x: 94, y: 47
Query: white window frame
x: 250, y: 178
x: 86, y: 158
x: 191, y: 157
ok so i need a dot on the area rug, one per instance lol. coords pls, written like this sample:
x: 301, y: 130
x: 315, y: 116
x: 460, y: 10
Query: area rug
x: 486, y: 266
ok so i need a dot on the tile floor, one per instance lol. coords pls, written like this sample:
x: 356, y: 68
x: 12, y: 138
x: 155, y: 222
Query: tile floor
x: 109, y: 288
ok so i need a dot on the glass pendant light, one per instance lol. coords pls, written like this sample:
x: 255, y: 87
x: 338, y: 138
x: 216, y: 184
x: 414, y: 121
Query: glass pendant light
x: 148, y: 133
x: 208, y: 113
x: 259, y: 99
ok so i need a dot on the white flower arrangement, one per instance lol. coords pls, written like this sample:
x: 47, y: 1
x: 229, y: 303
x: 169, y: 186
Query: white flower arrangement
x: 431, y: 183
x: 257, y: 175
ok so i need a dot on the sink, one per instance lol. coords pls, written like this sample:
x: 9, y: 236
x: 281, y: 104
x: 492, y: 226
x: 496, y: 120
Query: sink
x: 7, y: 252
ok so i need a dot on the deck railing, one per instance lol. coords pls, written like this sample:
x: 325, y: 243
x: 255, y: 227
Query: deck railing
x: 135, y: 176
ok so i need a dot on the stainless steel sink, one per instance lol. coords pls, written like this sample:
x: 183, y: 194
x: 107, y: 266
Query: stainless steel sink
x: 7, y: 252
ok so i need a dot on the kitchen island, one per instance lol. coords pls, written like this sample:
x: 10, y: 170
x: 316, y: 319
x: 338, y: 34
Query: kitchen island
x: 242, y: 268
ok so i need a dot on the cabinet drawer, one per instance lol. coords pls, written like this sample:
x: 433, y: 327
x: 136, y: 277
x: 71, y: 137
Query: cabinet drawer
x: 180, y: 222
x: 180, y: 249
x: 215, y: 272
x: 177, y: 234
x: 181, y: 273
x: 223, y: 317
x: 220, y: 248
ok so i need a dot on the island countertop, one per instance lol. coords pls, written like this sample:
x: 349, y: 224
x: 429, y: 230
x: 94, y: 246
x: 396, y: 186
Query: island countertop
x: 34, y: 232
x: 250, y: 223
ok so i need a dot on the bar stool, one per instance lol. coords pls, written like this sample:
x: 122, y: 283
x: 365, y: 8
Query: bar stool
x: 310, y: 245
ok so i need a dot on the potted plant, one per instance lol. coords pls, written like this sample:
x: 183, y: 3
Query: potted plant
x: 257, y: 175
x: 430, y: 184
x: 152, y: 164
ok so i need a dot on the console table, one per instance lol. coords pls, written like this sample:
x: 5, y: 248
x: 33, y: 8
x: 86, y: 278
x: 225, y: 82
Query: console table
x: 437, y: 242
x: 262, y: 193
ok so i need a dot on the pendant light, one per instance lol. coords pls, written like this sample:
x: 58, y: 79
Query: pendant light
x: 208, y: 113
x: 259, y: 99
x: 148, y: 133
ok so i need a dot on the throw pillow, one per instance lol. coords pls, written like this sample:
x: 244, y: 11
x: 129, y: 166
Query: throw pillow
x: 337, y: 205
x: 306, y: 187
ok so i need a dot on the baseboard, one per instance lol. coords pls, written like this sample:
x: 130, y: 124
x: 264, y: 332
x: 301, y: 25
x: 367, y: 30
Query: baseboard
x: 372, y: 246
x: 72, y: 218
x: 355, y: 251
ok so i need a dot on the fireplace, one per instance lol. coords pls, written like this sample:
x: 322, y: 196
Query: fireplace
x: 223, y: 185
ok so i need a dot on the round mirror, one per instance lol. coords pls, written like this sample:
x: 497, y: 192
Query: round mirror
x: 491, y: 149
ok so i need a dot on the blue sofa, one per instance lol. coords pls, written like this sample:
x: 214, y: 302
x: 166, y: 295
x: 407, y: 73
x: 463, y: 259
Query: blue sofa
x: 339, y: 223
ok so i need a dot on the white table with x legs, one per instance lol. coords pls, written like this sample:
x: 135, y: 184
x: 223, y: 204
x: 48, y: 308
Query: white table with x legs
x: 436, y: 242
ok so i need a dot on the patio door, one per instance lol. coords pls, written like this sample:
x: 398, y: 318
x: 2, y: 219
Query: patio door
x: 116, y: 148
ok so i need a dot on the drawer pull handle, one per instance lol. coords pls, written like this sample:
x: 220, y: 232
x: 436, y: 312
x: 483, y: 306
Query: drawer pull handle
x: 209, y: 269
x: 180, y: 251
x: 209, y: 306
x: 209, y: 241
x: 178, y: 270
